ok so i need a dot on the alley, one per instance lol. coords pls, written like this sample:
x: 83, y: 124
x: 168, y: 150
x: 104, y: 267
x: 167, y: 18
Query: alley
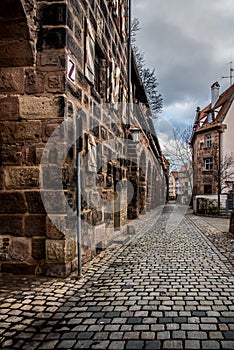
x: 164, y: 289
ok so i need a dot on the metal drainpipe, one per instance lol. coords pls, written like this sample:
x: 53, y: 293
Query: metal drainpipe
x: 129, y: 57
x: 219, y: 169
x: 79, y: 253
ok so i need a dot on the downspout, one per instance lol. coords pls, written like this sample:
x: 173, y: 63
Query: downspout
x: 219, y: 169
x: 78, y: 149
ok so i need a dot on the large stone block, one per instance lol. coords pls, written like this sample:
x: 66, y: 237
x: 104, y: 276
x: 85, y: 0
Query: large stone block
x: 96, y: 217
x: 55, y: 229
x: 53, y: 14
x: 8, y: 56
x: 75, y: 49
x: 100, y: 236
x: 34, y: 202
x: 12, y: 203
x: 22, y: 178
x: 19, y: 268
x: 41, y: 107
x: 2, y: 179
x: 55, y: 82
x: 52, y: 38
x: 11, y: 80
x: 77, y: 8
x: 52, y: 178
x: 4, y: 247
x: 12, y: 155
x: 58, y: 270
x: 35, y: 225
x: 9, y: 108
x: 38, y: 248
x: 20, y: 249
x: 60, y: 251
x: 21, y: 132
x: 53, y: 127
x: 11, y: 225
x: 34, y: 82
x: 55, y: 202
x: 52, y: 60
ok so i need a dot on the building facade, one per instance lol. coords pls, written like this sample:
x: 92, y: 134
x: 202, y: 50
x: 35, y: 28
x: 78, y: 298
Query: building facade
x: 173, y: 186
x: 212, y: 145
x: 72, y: 172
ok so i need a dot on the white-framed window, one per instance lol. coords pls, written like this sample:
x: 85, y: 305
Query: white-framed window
x: 208, y: 164
x: 208, y: 141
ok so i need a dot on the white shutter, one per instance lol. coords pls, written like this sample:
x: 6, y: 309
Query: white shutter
x: 123, y: 22
x: 124, y: 103
x: 90, y: 52
x: 112, y: 79
x: 117, y: 85
x: 108, y: 82
x: 92, y: 154
x: 116, y: 8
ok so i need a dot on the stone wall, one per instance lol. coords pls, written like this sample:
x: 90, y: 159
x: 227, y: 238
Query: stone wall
x: 32, y: 104
x: 59, y: 100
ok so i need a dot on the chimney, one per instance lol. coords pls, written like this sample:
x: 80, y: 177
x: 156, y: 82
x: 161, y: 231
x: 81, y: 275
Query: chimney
x: 214, y: 93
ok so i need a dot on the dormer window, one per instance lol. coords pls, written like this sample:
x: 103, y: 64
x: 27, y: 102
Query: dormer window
x: 210, y: 117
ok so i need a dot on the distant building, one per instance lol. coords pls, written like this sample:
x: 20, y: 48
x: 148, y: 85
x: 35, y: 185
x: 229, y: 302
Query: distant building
x: 184, y: 184
x: 173, y: 185
x: 212, y: 144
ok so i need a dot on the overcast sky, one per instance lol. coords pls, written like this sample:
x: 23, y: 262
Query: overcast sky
x: 189, y: 43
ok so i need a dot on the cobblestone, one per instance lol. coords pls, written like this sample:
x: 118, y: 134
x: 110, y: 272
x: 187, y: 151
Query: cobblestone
x: 161, y: 289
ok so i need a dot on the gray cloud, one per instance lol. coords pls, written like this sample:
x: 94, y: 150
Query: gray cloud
x: 189, y: 43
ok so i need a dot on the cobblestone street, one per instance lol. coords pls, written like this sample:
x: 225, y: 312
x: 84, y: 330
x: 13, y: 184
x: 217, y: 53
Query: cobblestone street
x: 164, y: 289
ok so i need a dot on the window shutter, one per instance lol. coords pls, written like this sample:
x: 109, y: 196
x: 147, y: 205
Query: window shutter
x: 90, y: 52
x: 116, y: 8
x: 92, y: 154
x: 123, y: 22
x: 103, y: 77
x: 124, y: 103
x: 117, y: 85
x: 108, y: 82
x: 112, y: 79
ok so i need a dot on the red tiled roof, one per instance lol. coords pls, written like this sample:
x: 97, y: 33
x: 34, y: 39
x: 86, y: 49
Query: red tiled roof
x: 221, y: 107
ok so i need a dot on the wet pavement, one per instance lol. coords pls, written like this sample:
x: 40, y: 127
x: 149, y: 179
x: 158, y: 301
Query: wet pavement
x: 168, y: 287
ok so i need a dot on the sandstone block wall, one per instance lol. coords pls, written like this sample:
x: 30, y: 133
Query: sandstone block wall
x: 63, y: 70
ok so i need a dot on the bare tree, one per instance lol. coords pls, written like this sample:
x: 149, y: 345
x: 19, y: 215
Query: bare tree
x: 223, y: 169
x: 147, y: 75
x: 179, y: 152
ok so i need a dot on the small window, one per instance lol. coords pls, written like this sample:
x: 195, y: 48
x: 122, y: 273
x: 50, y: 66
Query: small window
x: 97, y: 71
x: 208, y: 141
x: 209, y: 164
x: 210, y: 117
x: 100, y: 72
x: 207, y: 189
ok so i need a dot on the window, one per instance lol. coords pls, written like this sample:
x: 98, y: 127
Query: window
x: 207, y: 189
x: 208, y: 163
x: 208, y: 141
x: 210, y: 117
x: 99, y: 75
x: 95, y: 62
x: 89, y: 52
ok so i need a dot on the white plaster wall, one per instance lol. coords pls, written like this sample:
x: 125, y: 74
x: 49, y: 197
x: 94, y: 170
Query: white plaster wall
x: 228, y: 136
